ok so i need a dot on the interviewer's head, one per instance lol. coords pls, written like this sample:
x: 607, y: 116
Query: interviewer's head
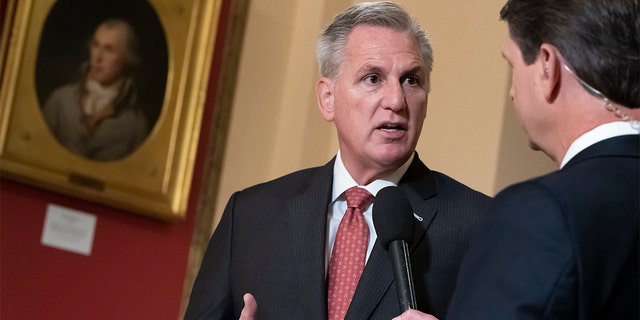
x: 599, y: 39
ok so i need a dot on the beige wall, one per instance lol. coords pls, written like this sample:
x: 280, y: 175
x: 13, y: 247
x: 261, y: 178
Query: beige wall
x: 469, y: 132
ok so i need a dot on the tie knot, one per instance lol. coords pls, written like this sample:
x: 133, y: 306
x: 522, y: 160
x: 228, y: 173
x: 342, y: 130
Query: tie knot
x: 358, y: 198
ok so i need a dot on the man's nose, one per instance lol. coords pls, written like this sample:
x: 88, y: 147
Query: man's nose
x: 394, y: 97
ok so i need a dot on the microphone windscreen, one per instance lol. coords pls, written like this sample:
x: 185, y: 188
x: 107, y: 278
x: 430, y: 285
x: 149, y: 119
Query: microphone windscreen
x: 392, y: 216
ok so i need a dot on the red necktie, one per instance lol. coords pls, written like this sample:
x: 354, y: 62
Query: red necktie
x: 349, y: 253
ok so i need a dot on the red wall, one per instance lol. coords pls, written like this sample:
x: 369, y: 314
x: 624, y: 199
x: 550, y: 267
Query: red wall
x: 137, y: 266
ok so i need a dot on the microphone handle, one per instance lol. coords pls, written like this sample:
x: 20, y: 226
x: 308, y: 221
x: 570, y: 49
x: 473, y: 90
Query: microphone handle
x: 399, y: 251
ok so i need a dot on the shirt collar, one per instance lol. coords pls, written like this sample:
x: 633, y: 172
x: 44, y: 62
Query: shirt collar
x: 342, y: 180
x: 599, y: 133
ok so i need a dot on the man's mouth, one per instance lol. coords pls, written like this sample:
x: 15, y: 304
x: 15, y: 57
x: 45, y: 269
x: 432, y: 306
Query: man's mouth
x: 391, y: 127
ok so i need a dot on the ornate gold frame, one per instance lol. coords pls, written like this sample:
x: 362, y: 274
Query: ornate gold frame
x: 155, y: 179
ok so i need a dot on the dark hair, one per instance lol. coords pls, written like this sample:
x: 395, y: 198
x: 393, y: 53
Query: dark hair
x: 599, y: 39
x: 331, y: 43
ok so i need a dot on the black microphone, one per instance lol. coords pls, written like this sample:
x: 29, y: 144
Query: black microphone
x: 393, y: 220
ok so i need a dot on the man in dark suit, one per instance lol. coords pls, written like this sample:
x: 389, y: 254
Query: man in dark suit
x: 565, y: 245
x: 275, y: 241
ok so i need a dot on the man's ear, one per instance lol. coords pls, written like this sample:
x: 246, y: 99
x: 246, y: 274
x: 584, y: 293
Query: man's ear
x: 324, y: 92
x: 551, y: 70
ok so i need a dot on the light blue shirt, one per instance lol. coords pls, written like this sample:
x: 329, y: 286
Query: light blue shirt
x: 342, y: 181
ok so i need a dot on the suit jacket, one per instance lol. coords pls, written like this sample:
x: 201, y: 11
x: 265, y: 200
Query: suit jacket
x: 271, y: 242
x: 562, y: 246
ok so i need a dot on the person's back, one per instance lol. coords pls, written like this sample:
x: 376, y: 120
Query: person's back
x: 599, y: 196
x: 565, y: 245
x: 570, y: 253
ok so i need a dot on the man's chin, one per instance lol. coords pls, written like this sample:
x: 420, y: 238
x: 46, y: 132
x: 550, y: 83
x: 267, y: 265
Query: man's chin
x: 393, y: 156
x: 534, y: 146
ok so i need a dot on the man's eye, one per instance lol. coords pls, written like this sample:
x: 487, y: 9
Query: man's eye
x: 372, y: 79
x: 412, y: 80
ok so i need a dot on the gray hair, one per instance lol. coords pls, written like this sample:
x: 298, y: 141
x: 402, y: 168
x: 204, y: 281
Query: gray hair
x: 132, y: 57
x: 332, y: 42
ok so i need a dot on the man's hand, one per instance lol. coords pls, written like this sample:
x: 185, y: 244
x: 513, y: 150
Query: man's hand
x: 250, y: 310
x: 414, y: 315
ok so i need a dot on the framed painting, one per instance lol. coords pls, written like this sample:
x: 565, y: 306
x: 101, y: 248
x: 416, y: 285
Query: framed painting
x: 103, y: 100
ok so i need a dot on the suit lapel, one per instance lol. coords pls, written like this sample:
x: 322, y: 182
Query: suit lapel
x: 418, y: 184
x: 307, y: 216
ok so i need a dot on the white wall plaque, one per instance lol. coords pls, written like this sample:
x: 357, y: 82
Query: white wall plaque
x: 69, y: 229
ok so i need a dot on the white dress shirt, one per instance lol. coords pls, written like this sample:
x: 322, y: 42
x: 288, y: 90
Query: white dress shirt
x: 342, y: 181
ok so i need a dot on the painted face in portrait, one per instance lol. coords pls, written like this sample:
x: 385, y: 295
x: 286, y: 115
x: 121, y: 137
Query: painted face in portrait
x: 378, y: 101
x: 107, y: 55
